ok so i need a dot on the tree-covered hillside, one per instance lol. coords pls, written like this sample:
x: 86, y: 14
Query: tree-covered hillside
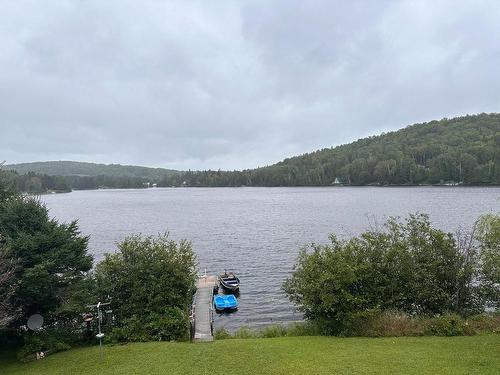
x: 461, y: 150
x: 464, y: 149
x: 40, y: 177
x: 75, y: 168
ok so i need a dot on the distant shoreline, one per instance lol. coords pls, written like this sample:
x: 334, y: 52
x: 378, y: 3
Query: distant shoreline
x: 274, y: 187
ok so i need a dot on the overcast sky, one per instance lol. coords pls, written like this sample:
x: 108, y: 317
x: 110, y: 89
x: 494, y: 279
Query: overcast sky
x: 234, y: 84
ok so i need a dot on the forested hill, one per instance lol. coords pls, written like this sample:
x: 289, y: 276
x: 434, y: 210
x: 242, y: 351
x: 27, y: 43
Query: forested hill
x: 464, y: 150
x: 41, y: 177
x: 75, y: 168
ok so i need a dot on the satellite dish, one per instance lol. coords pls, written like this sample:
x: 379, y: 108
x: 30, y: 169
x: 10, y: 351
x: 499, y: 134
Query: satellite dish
x: 35, y: 322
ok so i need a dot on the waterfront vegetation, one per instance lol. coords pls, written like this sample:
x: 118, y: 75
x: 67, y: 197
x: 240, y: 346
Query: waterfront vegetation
x: 407, y: 266
x: 284, y: 355
x: 381, y: 324
x: 46, y: 269
x: 462, y: 150
x: 151, y: 281
x: 404, y: 279
x: 47, y: 265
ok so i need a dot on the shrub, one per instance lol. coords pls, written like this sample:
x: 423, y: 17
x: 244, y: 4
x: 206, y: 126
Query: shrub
x: 484, y: 323
x: 151, y: 281
x: 447, y: 325
x: 409, y: 267
x: 169, y: 326
x: 488, y: 235
x: 51, y: 258
x: 49, y: 341
x: 44, y: 266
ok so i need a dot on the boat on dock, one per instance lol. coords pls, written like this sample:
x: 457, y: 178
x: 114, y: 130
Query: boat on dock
x: 225, y: 302
x: 229, y: 281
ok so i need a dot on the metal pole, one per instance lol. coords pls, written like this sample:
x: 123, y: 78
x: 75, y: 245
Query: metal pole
x: 99, y: 315
x: 100, y: 335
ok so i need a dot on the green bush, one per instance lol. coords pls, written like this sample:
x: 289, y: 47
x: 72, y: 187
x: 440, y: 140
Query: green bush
x: 409, y: 267
x: 131, y: 328
x: 52, y: 259
x: 49, y: 264
x: 151, y: 281
x: 169, y: 325
x: 447, y: 325
x: 48, y: 341
x: 488, y: 235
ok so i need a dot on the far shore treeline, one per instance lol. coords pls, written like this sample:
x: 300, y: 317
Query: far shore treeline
x: 464, y: 150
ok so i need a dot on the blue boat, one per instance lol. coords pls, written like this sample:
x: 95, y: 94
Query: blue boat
x: 225, y: 302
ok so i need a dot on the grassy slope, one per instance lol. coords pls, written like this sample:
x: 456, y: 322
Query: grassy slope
x: 289, y: 355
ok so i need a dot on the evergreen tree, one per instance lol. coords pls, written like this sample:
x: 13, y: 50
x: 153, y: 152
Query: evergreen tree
x: 51, y: 257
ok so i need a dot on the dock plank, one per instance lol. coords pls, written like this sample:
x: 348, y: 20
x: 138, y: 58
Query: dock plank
x: 203, y: 309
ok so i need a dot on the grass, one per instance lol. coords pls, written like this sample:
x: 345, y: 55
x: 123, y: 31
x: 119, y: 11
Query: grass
x: 285, y: 355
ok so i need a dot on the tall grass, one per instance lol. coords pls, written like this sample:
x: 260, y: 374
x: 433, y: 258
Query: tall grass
x: 385, y: 324
x: 393, y: 323
x: 278, y: 330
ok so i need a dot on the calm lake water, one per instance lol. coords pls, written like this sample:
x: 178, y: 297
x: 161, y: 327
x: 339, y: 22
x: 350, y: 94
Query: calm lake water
x: 257, y: 232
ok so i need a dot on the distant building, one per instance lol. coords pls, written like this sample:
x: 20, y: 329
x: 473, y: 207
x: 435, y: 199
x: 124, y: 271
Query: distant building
x: 155, y: 185
x: 337, y: 182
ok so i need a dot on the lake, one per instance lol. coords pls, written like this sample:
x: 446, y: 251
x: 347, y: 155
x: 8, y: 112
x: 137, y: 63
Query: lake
x: 257, y: 232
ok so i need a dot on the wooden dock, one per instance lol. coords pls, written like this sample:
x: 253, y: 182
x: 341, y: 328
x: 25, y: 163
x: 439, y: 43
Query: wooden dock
x: 202, y: 310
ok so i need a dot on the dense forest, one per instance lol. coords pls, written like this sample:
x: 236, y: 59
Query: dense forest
x: 75, y: 168
x: 63, y: 176
x: 464, y: 150
x: 41, y: 183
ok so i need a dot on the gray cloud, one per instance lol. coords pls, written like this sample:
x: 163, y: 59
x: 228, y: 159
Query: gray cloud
x: 234, y: 84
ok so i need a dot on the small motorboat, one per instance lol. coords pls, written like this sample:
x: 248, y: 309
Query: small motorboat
x: 229, y: 281
x: 224, y: 302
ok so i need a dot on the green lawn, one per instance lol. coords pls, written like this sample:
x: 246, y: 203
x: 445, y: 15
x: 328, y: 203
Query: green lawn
x: 286, y: 355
